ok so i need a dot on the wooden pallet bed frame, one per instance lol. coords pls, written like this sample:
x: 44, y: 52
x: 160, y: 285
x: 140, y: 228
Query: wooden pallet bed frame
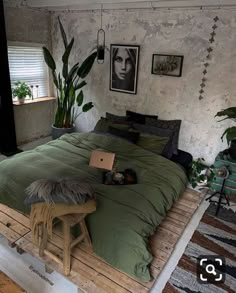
x: 91, y: 273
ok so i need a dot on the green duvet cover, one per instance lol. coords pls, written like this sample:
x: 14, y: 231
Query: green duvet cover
x: 126, y: 215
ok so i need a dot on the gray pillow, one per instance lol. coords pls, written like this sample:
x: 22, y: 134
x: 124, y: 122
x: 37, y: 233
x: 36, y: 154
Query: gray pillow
x: 168, y: 150
x: 116, y: 118
x: 173, y: 125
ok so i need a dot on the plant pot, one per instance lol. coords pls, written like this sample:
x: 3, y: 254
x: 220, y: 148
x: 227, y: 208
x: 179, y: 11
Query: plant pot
x: 232, y: 149
x: 58, y: 132
x: 21, y: 100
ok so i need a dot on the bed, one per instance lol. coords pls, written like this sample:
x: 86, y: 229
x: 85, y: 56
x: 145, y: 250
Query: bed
x: 126, y: 215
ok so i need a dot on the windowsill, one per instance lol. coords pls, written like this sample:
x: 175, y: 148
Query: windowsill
x: 38, y: 100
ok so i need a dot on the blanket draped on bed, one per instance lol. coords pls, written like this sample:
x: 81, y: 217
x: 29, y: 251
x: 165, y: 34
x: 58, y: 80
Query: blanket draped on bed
x: 126, y: 215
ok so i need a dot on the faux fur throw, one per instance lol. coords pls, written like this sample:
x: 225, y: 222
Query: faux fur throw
x: 65, y: 190
x: 42, y: 215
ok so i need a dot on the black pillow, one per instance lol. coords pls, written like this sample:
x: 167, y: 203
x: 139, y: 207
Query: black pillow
x: 131, y: 136
x: 139, y: 118
x: 168, y: 150
x: 183, y: 158
x: 115, y: 118
x: 173, y: 125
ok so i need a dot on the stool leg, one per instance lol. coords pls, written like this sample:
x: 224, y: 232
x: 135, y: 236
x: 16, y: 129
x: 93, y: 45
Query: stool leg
x: 84, y: 231
x: 66, y: 250
x: 43, y: 241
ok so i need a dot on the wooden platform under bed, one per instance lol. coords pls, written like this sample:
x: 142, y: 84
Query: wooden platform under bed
x: 89, y: 272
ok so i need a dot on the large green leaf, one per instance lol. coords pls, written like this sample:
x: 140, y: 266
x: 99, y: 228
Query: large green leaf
x: 80, y: 99
x: 66, y: 55
x: 72, y: 72
x: 71, y: 99
x: 87, y: 107
x: 49, y: 59
x: 65, y: 59
x: 230, y: 134
x: 86, y: 66
x: 55, y: 80
x: 230, y: 113
x: 60, y: 81
x: 63, y: 34
x: 80, y: 85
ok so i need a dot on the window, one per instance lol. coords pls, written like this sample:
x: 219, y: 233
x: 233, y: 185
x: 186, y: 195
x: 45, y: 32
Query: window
x: 27, y: 64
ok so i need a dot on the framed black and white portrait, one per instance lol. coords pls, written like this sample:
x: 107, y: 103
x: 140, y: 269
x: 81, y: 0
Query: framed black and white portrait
x: 124, y: 68
x: 167, y: 64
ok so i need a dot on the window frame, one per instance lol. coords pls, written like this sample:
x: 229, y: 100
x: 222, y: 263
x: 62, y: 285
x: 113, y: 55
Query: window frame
x: 33, y: 45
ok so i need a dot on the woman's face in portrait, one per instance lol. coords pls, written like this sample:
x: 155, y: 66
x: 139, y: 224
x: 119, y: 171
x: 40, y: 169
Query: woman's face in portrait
x: 122, y: 64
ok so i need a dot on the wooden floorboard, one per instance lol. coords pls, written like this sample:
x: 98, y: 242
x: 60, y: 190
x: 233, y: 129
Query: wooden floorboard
x: 7, y: 285
x: 91, y: 273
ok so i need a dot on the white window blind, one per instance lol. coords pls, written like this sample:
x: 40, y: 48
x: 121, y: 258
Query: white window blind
x: 27, y: 64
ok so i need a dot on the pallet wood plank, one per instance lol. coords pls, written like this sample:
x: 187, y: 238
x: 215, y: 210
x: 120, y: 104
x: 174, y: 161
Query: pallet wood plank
x: 9, y: 234
x: 167, y: 248
x: 177, y: 217
x: 184, y: 208
x: 190, y: 197
x: 17, y: 216
x: 186, y: 214
x: 193, y: 192
x: 158, y: 263
x: 169, y: 225
x: 12, y: 224
x: 166, y: 236
x: 188, y: 203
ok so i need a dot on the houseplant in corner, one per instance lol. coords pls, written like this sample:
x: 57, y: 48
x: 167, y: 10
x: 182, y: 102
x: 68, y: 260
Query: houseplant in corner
x: 200, y: 174
x: 68, y: 84
x: 20, y: 91
x: 230, y: 132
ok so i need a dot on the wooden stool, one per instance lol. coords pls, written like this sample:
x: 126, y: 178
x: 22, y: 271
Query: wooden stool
x: 68, y: 221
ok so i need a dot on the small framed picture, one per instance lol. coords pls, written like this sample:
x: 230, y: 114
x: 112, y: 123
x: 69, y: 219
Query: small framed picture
x: 124, y: 61
x: 167, y: 64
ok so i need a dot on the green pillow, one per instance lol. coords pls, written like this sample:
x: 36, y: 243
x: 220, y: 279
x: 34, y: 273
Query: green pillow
x: 103, y: 125
x: 152, y: 143
x: 120, y: 126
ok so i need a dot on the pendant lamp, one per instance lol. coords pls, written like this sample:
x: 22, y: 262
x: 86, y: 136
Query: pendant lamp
x: 100, y: 44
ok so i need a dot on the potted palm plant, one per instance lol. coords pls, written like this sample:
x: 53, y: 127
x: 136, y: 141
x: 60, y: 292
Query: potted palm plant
x: 68, y: 84
x: 20, y: 91
x: 230, y: 132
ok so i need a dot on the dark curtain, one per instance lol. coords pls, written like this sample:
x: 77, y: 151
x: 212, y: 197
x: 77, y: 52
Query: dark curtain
x: 7, y: 124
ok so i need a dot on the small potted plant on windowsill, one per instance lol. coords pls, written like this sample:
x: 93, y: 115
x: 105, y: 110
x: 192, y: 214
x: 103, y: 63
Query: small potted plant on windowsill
x: 20, y: 91
x: 68, y: 84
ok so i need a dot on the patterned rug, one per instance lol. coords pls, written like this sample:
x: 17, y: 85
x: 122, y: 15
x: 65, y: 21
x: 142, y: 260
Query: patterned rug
x: 213, y: 236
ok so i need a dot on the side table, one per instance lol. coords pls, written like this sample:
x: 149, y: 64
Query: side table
x: 224, y: 185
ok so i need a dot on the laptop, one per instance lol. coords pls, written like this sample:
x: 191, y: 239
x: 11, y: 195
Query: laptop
x: 102, y: 160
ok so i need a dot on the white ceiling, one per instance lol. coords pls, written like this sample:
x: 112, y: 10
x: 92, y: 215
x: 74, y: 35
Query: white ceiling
x: 116, y: 4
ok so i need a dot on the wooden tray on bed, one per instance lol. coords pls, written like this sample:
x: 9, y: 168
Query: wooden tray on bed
x: 91, y: 273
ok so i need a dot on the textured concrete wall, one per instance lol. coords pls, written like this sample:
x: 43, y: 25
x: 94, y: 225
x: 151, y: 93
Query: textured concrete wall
x: 30, y: 26
x: 33, y: 121
x: 184, y: 32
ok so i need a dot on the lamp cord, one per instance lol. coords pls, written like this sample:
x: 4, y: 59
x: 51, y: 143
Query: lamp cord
x: 101, y: 15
